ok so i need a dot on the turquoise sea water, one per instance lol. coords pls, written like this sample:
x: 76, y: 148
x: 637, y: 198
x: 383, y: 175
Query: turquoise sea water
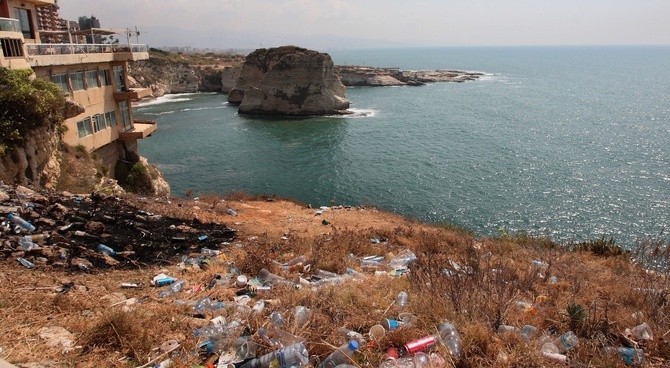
x: 572, y: 143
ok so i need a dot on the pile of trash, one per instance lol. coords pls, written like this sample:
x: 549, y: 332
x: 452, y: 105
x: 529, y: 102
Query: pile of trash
x: 97, y: 232
x: 93, y: 231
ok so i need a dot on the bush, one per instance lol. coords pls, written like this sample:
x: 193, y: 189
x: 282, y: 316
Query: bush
x: 134, y: 177
x: 26, y: 103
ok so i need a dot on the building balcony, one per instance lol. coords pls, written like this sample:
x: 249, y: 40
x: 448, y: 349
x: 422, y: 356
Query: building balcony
x: 132, y: 94
x: 46, y: 54
x: 141, y: 129
x: 9, y: 25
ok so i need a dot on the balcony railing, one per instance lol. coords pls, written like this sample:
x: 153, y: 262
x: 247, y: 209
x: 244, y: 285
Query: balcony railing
x: 36, y: 49
x: 9, y: 25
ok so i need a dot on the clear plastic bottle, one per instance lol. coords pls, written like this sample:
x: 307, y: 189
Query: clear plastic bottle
x: 566, y: 341
x: 340, y: 356
x: 277, y: 319
x: 278, y: 338
x: 451, y: 339
x: 295, y: 356
x: 301, y: 316
x: 347, y: 335
x: 402, y: 260
x: 25, y: 225
x: 174, y: 288
x: 628, y: 355
x: 401, y: 299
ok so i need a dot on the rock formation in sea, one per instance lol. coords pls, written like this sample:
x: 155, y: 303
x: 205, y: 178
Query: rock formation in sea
x: 289, y: 81
x: 354, y: 75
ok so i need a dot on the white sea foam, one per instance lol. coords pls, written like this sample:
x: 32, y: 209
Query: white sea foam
x: 361, y: 113
x: 179, y: 97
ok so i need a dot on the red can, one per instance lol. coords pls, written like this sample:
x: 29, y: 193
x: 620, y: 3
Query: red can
x: 422, y: 344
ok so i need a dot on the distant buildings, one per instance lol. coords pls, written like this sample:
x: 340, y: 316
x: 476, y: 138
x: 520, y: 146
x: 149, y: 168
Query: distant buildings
x: 32, y: 35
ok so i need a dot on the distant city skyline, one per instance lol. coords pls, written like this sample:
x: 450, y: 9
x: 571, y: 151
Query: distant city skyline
x: 381, y: 23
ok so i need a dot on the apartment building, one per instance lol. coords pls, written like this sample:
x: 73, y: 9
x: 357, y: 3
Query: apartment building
x: 94, y: 75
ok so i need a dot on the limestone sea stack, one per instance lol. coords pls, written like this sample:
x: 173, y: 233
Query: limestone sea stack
x: 289, y: 81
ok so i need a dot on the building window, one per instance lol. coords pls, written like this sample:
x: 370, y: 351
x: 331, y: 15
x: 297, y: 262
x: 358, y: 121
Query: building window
x: 11, y: 47
x: 119, y: 78
x: 23, y: 15
x: 98, y: 123
x: 84, y: 127
x: 91, y: 79
x: 61, y: 81
x: 111, y: 118
x: 105, y: 78
x: 125, y: 115
x: 77, y: 81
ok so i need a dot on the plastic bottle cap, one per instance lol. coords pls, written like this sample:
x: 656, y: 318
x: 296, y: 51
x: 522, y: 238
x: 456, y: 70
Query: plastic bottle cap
x: 353, y: 345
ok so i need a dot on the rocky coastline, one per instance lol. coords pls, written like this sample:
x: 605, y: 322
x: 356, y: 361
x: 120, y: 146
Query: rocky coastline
x: 166, y: 76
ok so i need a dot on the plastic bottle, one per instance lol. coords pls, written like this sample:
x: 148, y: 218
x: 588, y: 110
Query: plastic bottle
x: 295, y: 355
x: 218, y: 330
x: 566, y: 341
x: 342, y: 355
x: 25, y: 225
x: 628, y: 355
x: 277, y: 338
x: 301, y: 316
x: 27, y: 244
x: 232, y: 212
x: 270, y: 278
x: 403, y: 259
x: 347, y: 335
x: 551, y: 352
x: 174, y: 288
x: 25, y: 262
x: 277, y: 319
x: 107, y: 250
x: 642, y: 332
x: 451, y: 339
x: 401, y: 299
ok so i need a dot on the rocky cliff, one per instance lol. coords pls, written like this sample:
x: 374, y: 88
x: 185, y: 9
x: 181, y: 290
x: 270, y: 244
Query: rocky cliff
x: 288, y: 81
x: 35, y: 160
x: 165, y: 76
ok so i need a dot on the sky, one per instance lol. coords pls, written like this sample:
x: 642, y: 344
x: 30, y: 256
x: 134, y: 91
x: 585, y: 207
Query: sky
x: 324, y: 24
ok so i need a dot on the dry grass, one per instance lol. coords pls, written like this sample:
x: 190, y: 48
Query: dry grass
x: 472, y: 282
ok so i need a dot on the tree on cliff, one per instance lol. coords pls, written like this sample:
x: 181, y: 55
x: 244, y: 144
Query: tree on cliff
x: 26, y: 102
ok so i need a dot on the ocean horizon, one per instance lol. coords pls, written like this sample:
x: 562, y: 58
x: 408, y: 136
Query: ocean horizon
x: 564, y: 142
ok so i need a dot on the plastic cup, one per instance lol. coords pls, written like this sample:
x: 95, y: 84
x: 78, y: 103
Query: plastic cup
x: 377, y: 332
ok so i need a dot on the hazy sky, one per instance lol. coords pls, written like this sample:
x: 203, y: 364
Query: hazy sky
x: 369, y: 23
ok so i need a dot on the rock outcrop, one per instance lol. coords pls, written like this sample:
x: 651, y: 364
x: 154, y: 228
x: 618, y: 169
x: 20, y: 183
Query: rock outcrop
x: 229, y: 76
x: 289, y: 81
x: 165, y: 76
x: 369, y: 76
x: 34, y: 161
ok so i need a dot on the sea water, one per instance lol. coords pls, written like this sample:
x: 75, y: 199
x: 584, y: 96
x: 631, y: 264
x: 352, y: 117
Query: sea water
x: 570, y: 143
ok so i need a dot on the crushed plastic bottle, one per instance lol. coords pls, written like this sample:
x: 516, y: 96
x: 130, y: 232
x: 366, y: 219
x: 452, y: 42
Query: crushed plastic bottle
x: 173, y: 289
x: 348, y: 335
x: 26, y: 243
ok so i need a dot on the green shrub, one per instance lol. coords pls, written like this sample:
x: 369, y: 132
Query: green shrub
x: 25, y: 104
x: 134, y: 177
